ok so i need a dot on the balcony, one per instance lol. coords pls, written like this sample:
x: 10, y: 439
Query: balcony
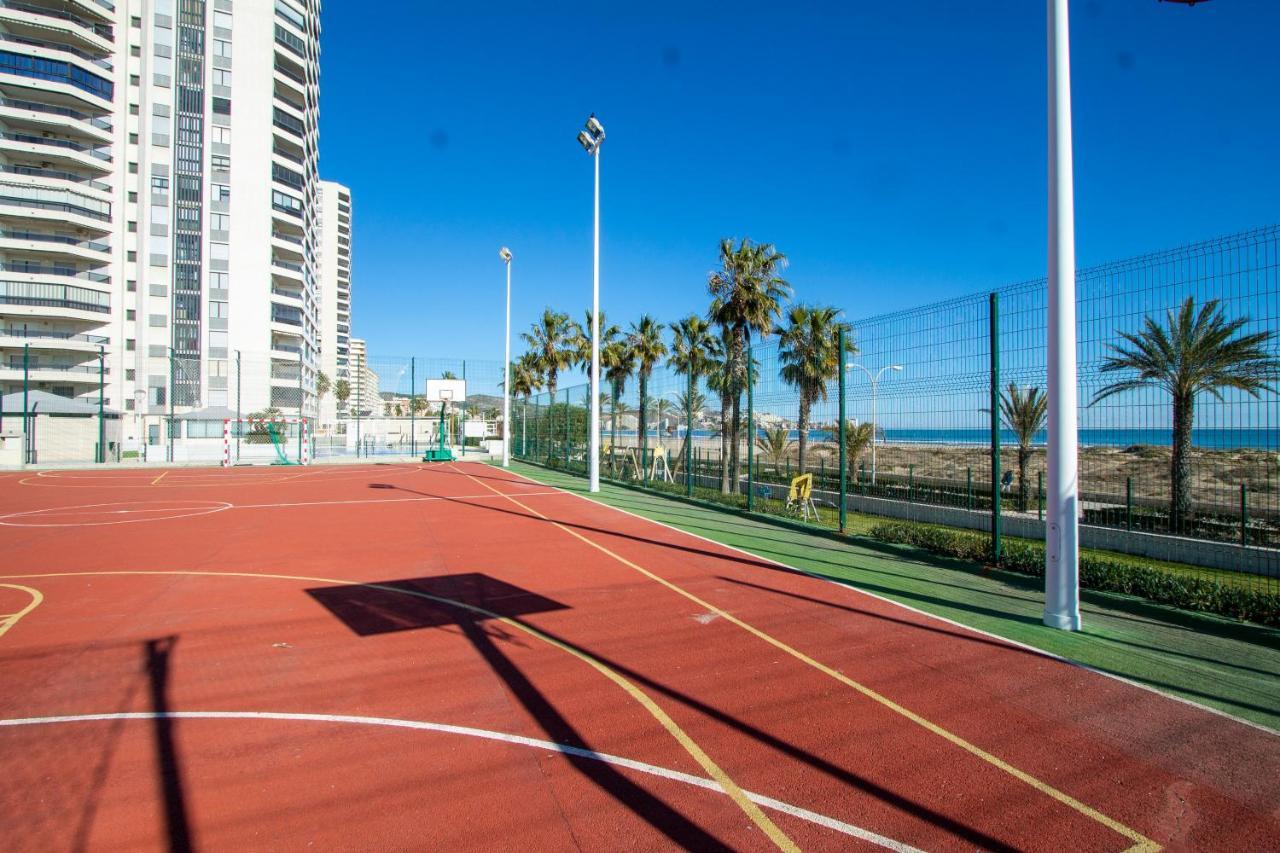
x: 54, y: 335
x: 43, y: 371
x: 53, y: 271
x: 285, y: 314
x: 43, y: 295
x: 32, y: 111
x: 50, y: 149
x: 60, y: 244
x: 100, y: 30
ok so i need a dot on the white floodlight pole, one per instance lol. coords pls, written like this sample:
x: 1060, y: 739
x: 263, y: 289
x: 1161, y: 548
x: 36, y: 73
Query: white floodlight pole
x: 505, y: 254
x: 1062, y: 545
x: 593, y: 478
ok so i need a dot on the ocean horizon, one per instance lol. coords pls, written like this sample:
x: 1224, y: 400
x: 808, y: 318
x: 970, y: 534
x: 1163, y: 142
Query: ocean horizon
x: 1208, y: 439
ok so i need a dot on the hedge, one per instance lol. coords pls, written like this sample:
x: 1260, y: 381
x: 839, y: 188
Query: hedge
x: 1097, y: 573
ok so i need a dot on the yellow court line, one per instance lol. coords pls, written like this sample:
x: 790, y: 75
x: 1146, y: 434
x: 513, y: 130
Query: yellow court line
x: 1140, y: 842
x: 690, y: 746
x: 8, y: 620
x: 157, y: 480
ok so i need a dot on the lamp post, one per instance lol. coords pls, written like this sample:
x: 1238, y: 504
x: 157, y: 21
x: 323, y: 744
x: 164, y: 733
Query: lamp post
x: 591, y: 138
x: 875, y: 380
x: 1062, y: 545
x: 505, y: 254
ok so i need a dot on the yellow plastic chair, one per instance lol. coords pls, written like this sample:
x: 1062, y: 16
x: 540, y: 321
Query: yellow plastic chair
x: 800, y: 498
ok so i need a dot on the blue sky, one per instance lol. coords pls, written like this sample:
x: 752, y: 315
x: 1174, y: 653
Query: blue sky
x: 894, y: 151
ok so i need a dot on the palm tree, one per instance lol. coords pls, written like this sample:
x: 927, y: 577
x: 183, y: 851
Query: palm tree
x: 448, y: 374
x: 551, y: 342
x: 582, y: 340
x: 774, y: 443
x: 618, y: 361
x: 647, y: 348
x: 342, y: 392
x: 1194, y: 351
x: 524, y: 377
x: 721, y: 380
x: 323, y: 385
x: 1024, y: 413
x: 694, y: 402
x: 857, y: 438
x: 809, y: 350
x: 747, y: 293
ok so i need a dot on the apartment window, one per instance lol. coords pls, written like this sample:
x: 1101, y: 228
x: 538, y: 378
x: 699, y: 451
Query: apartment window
x: 130, y: 344
x: 131, y: 255
x: 220, y: 134
x: 222, y: 106
x: 220, y: 162
x: 133, y: 196
x: 131, y: 286
x: 219, y: 280
x: 221, y: 47
x: 135, y: 51
x: 159, y: 185
x: 133, y: 109
x: 134, y: 80
x: 133, y: 168
x: 222, y: 20
x: 218, y: 366
x: 290, y: 14
x: 218, y: 310
x: 218, y: 340
x: 220, y: 251
x: 287, y: 203
x: 221, y: 192
x: 130, y: 374
x: 135, y: 22
x: 129, y: 405
x: 219, y: 222
x: 133, y: 139
x: 221, y: 77
x: 130, y: 314
x: 133, y: 227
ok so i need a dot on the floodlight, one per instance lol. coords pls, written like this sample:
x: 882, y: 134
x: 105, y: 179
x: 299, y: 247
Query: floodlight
x: 587, y: 141
x: 594, y: 127
x: 505, y: 254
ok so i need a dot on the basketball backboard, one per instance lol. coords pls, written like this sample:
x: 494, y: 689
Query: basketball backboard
x: 446, y: 390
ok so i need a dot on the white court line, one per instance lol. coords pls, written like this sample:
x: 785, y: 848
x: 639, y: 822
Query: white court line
x: 550, y: 746
x: 852, y: 586
x: 487, y: 495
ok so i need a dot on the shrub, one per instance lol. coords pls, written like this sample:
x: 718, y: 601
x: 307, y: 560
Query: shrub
x: 1098, y: 573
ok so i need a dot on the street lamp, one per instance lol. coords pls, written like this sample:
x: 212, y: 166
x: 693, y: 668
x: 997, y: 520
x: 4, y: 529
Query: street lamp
x: 875, y: 379
x: 505, y: 254
x: 591, y: 138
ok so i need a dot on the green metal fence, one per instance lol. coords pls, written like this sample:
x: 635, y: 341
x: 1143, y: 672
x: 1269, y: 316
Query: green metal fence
x: 928, y: 437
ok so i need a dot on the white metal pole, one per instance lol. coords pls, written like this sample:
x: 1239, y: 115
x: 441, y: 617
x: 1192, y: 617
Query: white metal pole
x: 594, y: 464
x: 506, y: 380
x: 1062, y: 546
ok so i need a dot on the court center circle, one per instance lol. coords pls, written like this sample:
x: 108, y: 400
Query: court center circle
x: 122, y: 512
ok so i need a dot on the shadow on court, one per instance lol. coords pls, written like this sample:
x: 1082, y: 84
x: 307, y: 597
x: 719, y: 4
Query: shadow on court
x: 435, y: 602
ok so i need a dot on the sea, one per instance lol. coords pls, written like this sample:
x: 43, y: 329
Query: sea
x: 1208, y: 439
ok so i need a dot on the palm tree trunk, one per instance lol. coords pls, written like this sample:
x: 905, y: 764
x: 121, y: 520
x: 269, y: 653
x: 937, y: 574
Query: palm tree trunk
x: 1180, y: 463
x: 644, y: 439
x: 1024, y: 456
x: 724, y: 442
x: 613, y: 423
x: 734, y: 450
x: 803, y: 424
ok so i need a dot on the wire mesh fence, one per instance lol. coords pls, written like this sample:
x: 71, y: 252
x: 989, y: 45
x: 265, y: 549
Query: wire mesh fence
x: 942, y: 417
x: 170, y: 409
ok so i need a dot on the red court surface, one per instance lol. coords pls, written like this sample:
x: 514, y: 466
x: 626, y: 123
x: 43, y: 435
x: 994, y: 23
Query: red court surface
x: 403, y: 657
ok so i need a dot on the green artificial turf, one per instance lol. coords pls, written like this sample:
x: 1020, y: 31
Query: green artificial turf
x: 1221, y: 663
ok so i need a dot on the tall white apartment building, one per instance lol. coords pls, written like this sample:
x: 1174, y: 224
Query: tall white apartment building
x: 334, y: 292
x: 60, y: 198
x: 364, y: 381
x: 158, y: 199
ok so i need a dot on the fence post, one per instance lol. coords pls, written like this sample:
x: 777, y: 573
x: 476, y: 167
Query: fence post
x: 239, y: 426
x: 566, y: 426
x: 26, y: 404
x: 1128, y: 504
x: 840, y: 435
x: 996, y: 544
x: 102, y: 415
x: 1244, y: 515
x: 751, y: 429
x: 359, y: 400
x: 413, y: 415
x: 172, y: 386
x: 302, y: 418
x: 688, y: 436
x: 1039, y: 494
x: 911, y: 483
x: 462, y: 418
